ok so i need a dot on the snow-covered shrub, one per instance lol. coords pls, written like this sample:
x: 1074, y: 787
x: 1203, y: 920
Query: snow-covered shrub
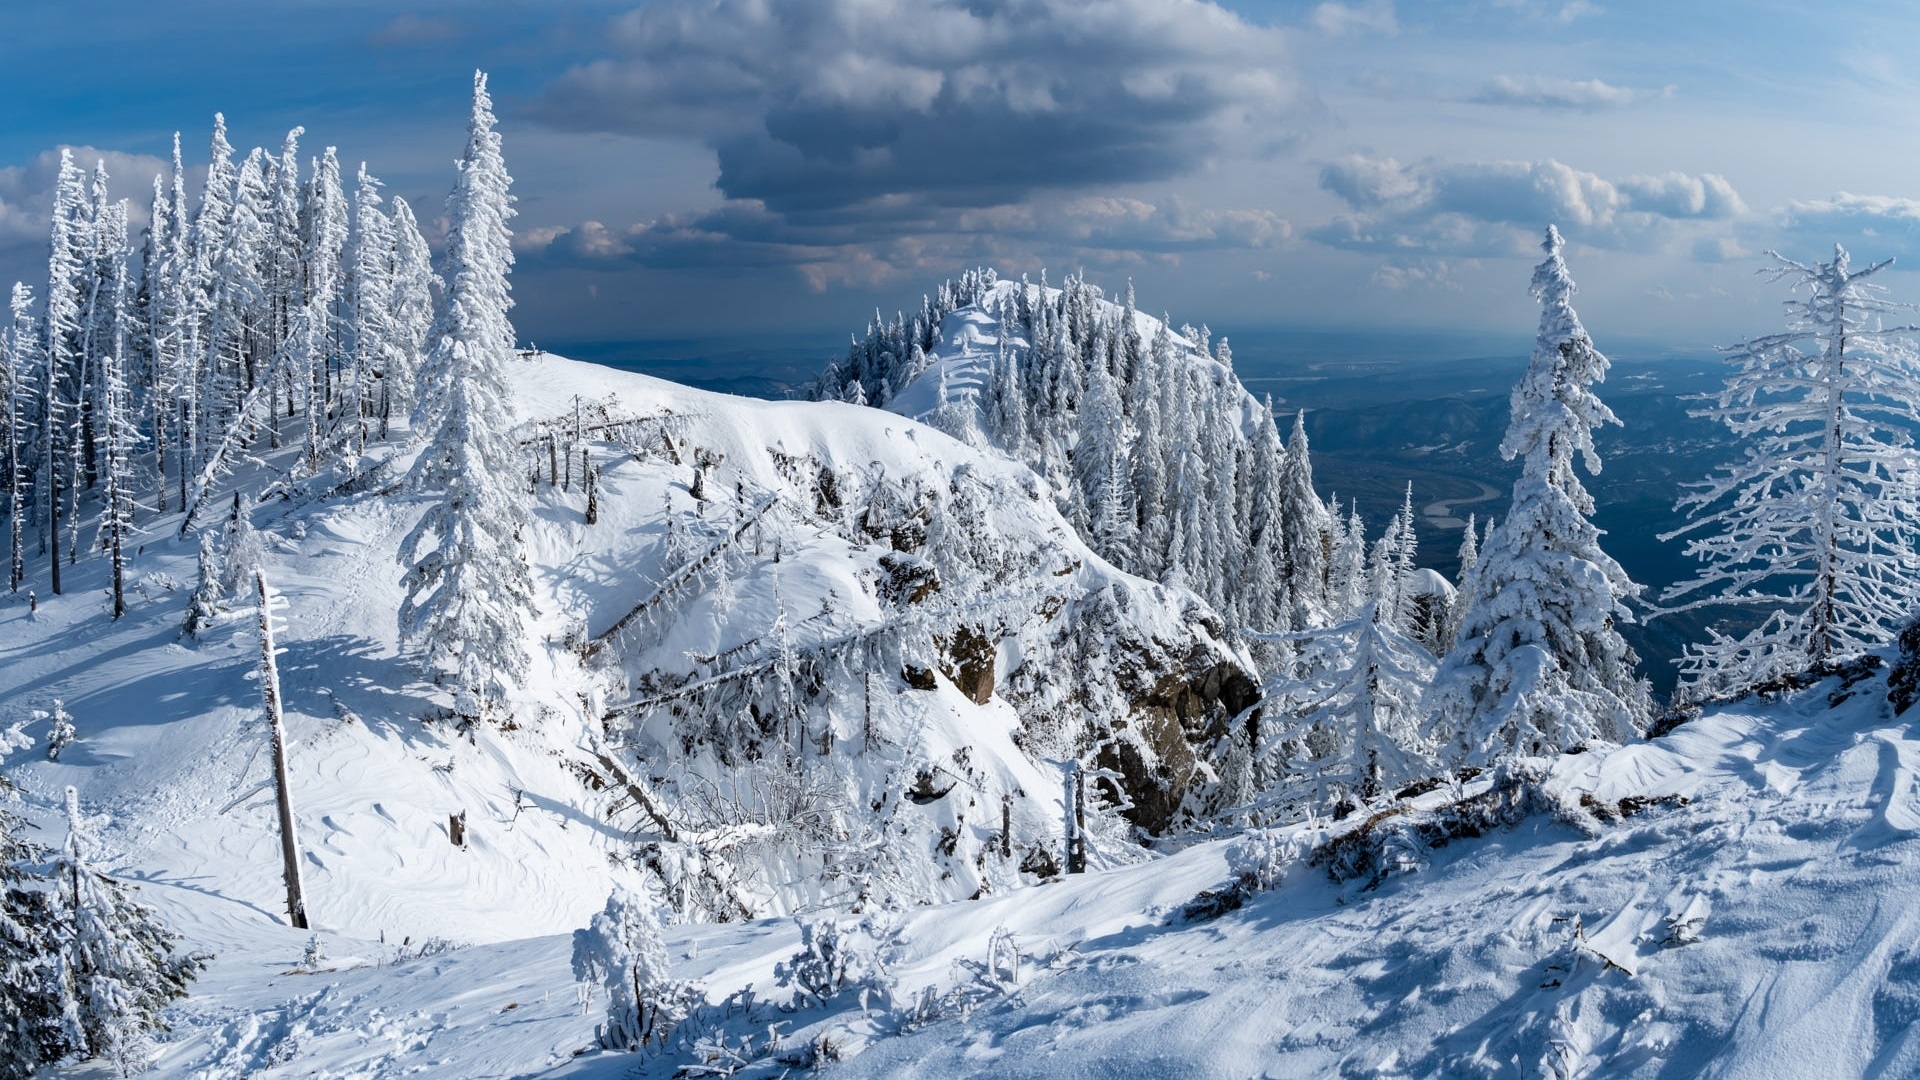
x: 59, y: 729
x: 1259, y: 860
x: 622, y: 950
x: 204, y: 607
x: 1395, y: 840
x: 836, y: 958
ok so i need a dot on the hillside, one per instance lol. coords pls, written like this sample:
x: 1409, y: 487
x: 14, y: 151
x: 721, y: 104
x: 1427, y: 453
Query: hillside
x: 808, y: 621
x: 1732, y: 899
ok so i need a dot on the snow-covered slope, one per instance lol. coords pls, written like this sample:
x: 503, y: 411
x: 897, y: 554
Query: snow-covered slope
x: 1754, y: 913
x: 934, y: 629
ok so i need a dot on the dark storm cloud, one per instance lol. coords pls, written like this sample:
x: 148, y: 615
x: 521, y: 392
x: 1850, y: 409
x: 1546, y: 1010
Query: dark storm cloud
x: 865, y: 246
x: 824, y: 104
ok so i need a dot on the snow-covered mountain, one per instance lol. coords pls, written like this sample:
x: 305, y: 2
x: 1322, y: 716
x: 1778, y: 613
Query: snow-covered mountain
x: 1145, y: 439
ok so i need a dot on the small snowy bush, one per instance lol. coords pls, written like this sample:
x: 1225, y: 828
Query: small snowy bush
x: 59, y: 729
x: 1260, y: 859
x: 623, y: 951
x: 835, y: 958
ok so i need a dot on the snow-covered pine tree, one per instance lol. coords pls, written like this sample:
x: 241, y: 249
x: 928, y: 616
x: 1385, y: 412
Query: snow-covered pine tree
x: 237, y: 303
x: 206, y: 240
x: 286, y: 276
x: 373, y: 290
x: 414, y: 283
x: 38, y: 1021
x: 1354, y: 724
x: 1306, y: 531
x: 176, y: 337
x: 1539, y: 665
x: 622, y: 950
x: 1819, y: 519
x: 1267, y: 603
x: 320, y: 317
x: 120, y: 436
x: 60, y: 733
x: 20, y: 355
x: 61, y: 353
x: 204, y: 606
x: 1464, y: 585
x: 121, y: 963
x: 468, y: 598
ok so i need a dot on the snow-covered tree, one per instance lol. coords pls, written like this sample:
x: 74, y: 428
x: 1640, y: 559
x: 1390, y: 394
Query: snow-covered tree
x: 120, y: 436
x: 19, y: 352
x: 469, y: 596
x: 1354, y: 726
x: 60, y: 733
x: 121, y: 964
x: 1818, y: 520
x: 61, y: 355
x: 622, y: 950
x: 204, y: 606
x: 373, y: 292
x: 414, y: 283
x: 320, y: 318
x: 1539, y: 664
x: 38, y: 1021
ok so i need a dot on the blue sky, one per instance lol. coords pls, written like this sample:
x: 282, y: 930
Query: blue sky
x: 745, y: 166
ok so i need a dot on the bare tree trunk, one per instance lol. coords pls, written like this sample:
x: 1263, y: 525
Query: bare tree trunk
x: 270, y: 690
x: 1076, y: 819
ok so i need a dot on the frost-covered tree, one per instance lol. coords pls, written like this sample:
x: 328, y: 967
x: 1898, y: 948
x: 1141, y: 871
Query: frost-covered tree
x: 320, y: 318
x: 373, y: 292
x: 1305, y: 530
x: 38, y: 1021
x: 1539, y: 665
x: 120, y: 437
x: 1355, y: 724
x: 470, y: 593
x: 60, y: 733
x: 20, y: 353
x: 62, y: 352
x: 121, y: 964
x: 1818, y: 520
x: 414, y: 283
x: 622, y: 950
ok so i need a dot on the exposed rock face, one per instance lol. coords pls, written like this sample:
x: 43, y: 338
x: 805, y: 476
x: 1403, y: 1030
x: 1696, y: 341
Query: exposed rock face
x: 1155, y: 689
x: 969, y: 661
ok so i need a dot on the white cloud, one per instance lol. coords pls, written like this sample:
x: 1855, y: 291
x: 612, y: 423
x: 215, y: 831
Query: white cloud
x: 1334, y: 19
x: 26, y: 191
x: 1872, y: 227
x: 1549, y: 92
x: 1487, y: 208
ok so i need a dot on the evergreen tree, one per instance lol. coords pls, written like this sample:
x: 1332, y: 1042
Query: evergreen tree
x: 468, y: 598
x: 1819, y: 519
x: 1356, y: 721
x: 414, y: 283
x: 1305, y: 527
x: 1538, y: 665
x: 62, y: 352
x: 622, y: 950
x: 121, y: 964
x: 320, y: 317
x: 20, y: 356
x: 39, y: 1023
x: 120, y: 439
x: 373, y: 296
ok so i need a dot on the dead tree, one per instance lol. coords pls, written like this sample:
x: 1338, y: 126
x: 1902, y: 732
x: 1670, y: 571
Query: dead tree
x: 270, y: 690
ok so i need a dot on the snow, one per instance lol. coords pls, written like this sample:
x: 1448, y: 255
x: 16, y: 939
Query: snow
x: 1767, y: 926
